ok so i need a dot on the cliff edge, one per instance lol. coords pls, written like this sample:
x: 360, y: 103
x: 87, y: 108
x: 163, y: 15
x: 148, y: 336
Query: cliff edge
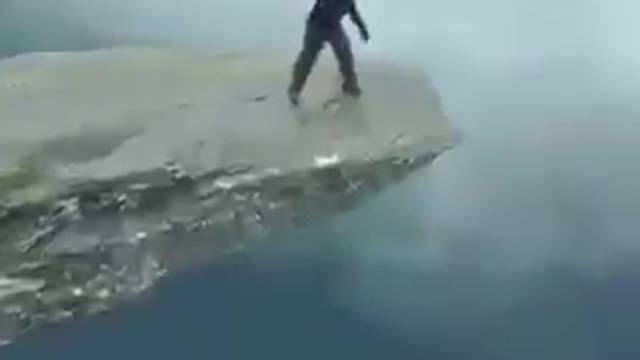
x: 120, y: 166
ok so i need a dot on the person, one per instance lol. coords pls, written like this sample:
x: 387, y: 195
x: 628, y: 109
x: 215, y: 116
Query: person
x: 324, y: 24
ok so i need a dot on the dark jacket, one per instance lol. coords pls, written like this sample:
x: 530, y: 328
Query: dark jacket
x: 328, y: 14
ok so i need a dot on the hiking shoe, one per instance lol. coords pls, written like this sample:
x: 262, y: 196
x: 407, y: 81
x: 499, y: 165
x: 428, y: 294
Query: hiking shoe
x: 294, y: 98
x: 354, y: 91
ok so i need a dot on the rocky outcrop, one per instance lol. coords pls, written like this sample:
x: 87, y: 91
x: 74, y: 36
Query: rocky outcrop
x: 122, y: 166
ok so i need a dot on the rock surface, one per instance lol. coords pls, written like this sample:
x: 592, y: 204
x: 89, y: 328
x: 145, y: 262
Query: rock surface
x: 120, y: 166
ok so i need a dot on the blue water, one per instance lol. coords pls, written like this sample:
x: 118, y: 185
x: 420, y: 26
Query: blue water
x: 520, y: 244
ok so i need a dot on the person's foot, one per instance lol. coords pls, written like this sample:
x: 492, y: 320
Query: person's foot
x: 294, y: 97
x: 352, y: 90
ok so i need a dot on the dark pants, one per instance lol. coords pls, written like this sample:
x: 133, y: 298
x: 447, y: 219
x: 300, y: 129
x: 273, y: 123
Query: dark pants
x: 314, y: 40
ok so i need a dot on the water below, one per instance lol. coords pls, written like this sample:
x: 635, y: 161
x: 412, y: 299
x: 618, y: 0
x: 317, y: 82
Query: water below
x: 522, y: 243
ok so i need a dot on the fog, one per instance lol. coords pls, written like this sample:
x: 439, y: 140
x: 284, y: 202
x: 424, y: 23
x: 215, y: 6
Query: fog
x: 491, y: 30
x: 522, y: 243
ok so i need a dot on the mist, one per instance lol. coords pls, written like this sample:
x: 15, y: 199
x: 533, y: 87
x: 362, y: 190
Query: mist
x: 522, y: 243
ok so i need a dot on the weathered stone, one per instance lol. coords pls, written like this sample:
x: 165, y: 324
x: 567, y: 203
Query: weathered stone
x: 204, y: 155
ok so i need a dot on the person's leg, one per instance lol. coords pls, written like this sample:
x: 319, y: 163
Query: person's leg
x: 313, y: 43
x: 342, y: 49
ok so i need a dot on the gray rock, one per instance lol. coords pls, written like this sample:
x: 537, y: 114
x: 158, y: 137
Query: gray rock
x: 203, y: 173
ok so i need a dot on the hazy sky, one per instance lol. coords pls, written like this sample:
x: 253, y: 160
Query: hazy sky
x: 492, y: 28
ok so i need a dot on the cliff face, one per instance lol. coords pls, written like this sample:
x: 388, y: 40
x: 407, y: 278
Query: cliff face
x: 120, y: 166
